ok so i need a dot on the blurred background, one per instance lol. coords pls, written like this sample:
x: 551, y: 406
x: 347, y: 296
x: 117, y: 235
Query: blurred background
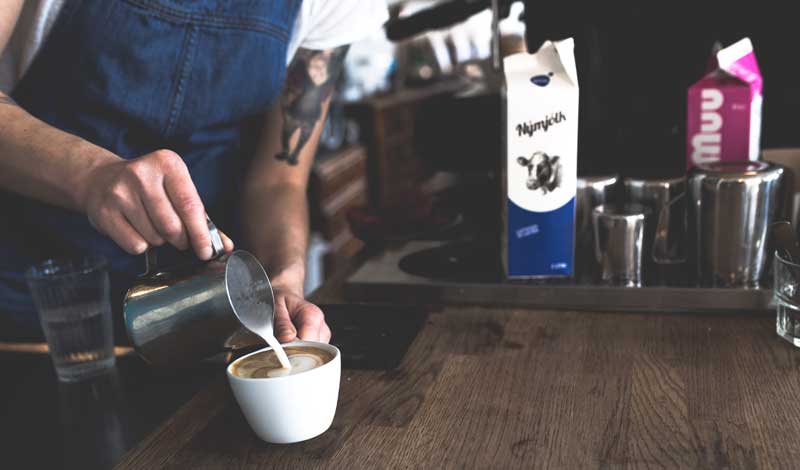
x: 412, y: 147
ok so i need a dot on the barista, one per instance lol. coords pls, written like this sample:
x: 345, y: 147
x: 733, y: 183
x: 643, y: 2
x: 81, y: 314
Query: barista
x: 123, y: 123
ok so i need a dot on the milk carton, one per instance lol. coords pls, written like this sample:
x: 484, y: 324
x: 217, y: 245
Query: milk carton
x: 724, y: 108
x: 541, y: 161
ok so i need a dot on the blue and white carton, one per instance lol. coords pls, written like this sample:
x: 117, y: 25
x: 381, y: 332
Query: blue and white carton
x: 541, y: 162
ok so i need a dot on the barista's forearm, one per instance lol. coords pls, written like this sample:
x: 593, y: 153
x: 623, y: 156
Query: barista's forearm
x: 276, y: 229
x: 276, y: 208
x: 9, y: 14
x: 42, y: 162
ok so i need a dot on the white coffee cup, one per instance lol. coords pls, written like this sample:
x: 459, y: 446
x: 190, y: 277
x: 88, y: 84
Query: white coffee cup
x: 292, y: 408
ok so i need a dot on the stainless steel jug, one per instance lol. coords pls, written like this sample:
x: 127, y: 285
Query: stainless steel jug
x: 592, y: 191
x: 666, y: 198
x: 181, y: 316
x: 621, y: 242
x: 732, y: 205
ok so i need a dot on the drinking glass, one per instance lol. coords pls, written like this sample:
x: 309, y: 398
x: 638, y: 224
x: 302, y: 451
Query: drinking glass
x: 72, y: 298
x: 787, y: 299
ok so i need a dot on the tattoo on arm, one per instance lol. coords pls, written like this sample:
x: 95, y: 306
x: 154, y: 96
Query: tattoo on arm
x: 310, y: 81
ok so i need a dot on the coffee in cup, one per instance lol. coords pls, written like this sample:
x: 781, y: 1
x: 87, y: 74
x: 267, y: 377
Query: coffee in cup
x: 284, y: 406
x: 265, y: 364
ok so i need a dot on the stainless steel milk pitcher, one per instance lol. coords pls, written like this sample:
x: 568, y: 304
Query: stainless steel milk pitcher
x: 732, y: 205
x: 180, y: 316
x: 666, y: 198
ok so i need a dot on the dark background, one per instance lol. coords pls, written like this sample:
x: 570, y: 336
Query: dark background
x: 637, y: 59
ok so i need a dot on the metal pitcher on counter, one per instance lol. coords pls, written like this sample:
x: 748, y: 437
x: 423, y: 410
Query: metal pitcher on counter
x: 718, y: 220
x: 665, y: 196
x: 732, y: 205
x: 591, y: 191
x: 180, y: 316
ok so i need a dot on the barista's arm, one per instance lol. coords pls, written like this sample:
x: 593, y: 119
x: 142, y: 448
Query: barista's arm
x: 140, y: 202
x: 9, y: 14
x: 137, y: 203
x: 35, y: 159
x: 275, y: 208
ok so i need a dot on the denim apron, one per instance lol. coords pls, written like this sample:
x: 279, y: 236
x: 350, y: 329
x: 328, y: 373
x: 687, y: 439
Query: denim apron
x: 134, y: 76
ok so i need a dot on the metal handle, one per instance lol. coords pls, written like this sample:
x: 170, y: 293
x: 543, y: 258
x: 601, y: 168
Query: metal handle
x: 217, y: 250
x: 217, y: 247
x: 667, y: 250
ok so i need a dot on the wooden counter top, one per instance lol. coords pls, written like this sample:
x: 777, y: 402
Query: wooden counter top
x: 496, y: 388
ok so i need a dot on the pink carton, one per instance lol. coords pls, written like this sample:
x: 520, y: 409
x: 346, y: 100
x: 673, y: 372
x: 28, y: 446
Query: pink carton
x: 724, y: 108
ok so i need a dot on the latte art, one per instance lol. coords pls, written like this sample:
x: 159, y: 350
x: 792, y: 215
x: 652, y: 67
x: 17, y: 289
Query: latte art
x: 300, y: 362
x: 266, y: 365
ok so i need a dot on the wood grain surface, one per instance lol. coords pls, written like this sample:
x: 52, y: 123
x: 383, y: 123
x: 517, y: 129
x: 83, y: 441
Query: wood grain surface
x: 496, y: 389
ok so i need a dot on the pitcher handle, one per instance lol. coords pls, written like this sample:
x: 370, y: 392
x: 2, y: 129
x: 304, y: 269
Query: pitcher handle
x: 217, y: 250
x: 662, y: 251
x: 217, y: 247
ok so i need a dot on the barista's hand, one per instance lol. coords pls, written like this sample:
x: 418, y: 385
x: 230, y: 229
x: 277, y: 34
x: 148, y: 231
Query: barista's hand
x: 147, y: 201
x: 295, y: 318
